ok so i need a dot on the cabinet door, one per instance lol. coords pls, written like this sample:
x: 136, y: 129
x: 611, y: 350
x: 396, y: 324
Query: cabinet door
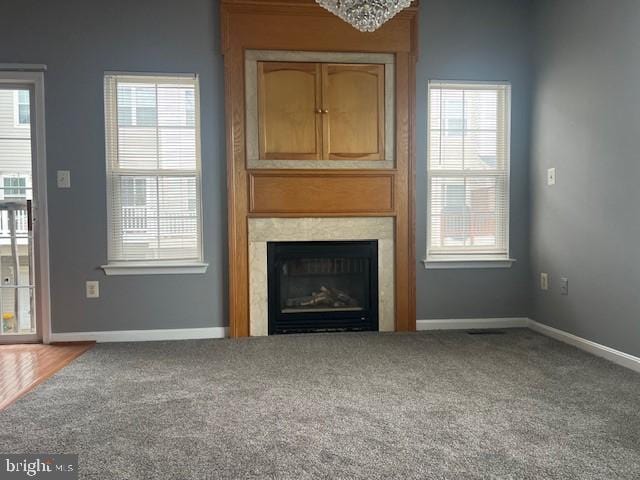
x: 290, y: 122
x: 353, y: 106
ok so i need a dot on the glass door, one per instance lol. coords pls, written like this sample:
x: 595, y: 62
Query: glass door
x: 17, y: 290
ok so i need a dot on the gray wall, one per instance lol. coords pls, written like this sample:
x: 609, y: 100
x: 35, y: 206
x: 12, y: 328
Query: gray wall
x: 477, y: 40
x: 587, y: 125
x: 79, y: 40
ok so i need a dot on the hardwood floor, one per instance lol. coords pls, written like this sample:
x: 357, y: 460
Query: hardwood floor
x: 22, y: 367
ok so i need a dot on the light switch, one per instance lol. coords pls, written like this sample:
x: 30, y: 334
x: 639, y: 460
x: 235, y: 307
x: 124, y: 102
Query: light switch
x: 551, y: 176
x: 544, y: 281
x: 64, y: 179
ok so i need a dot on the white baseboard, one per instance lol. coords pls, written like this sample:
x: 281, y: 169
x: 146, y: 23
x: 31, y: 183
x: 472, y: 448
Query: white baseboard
x: 472, y: 323
x: 608, y: 353
x: 141, y: 335
x: 615, y: 356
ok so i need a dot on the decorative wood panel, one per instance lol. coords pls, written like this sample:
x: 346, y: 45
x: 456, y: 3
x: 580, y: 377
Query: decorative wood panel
x: 353, y: 106
x: 318, y: 194
x: 289, y: 97
x: 304, y: 25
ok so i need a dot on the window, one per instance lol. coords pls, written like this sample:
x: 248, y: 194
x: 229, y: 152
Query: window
x: 134, y: 204
x: 134, y: 192
x: 15, y: 187
x: 136, y: 106
x: 468, y: 172
x: 23, y: 108
x: 153, y: 169
x: 454, y: 121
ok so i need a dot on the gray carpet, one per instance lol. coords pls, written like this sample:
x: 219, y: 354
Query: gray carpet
x: 373, y: 406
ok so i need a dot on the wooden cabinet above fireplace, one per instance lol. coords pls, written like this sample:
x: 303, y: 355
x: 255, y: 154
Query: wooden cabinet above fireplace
x: 321, y: 111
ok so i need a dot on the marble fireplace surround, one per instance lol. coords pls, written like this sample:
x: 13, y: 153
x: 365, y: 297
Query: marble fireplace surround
x: 263, y: 230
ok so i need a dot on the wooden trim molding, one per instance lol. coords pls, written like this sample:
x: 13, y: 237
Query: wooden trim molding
x: 303, y: 26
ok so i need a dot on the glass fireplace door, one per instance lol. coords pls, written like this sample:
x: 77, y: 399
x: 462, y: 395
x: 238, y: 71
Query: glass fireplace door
x: 322, y: 286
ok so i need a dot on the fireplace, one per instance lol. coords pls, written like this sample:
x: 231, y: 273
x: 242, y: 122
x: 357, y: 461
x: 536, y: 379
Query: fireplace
x: 322, y: 286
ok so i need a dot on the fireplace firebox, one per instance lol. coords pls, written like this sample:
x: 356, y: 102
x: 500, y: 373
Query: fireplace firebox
x: 322, y: 286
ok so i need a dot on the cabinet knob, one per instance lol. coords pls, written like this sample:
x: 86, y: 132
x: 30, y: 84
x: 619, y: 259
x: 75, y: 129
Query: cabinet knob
x: 325, y: 111
x: 318, y: 110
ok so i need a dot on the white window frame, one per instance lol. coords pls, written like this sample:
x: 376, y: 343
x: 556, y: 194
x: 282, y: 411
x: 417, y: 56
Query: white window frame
x: 160, y: 267
x: 472, y: 259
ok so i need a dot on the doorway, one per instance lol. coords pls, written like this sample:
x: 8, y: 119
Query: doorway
x: 24, y: 286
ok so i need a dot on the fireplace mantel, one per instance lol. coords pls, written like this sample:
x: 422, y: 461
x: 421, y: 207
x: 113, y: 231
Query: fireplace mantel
x: 348, y: 191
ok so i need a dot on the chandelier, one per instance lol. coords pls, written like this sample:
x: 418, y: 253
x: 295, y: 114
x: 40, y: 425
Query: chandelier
x: 365, y: 15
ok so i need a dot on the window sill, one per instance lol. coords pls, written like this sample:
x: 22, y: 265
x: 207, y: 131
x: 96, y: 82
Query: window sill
x: 466, y: 262
x: 168, y: 268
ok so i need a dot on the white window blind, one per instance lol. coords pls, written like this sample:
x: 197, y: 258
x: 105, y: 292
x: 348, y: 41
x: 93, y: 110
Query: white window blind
x: 468, y: 170
x: 153, y: 168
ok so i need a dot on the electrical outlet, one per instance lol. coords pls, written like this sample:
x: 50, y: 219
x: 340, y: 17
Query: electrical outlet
x: 544, y: 281
x: 551, y: 176
x: 93, y: 289
x: 63, y: 178
x: 564, y: 286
